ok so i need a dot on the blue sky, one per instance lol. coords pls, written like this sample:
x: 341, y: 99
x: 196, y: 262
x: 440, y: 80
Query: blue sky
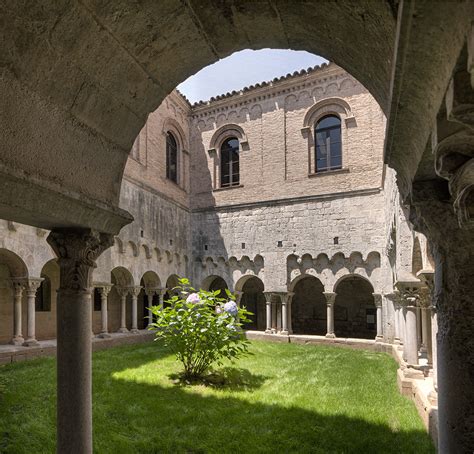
x: 245, y: 68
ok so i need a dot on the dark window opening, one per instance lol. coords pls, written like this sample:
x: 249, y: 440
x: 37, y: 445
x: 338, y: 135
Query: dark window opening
x: 280, y: 244
x: 328, y: 144
x: 97, y: 300
x: 205, y: 247
x: 243, y: 245
x: 171, y: 158
x: 230, y: 170
x: 336, y: 240
x: 43, y: 295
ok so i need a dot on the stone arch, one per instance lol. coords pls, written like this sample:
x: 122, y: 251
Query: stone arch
x: 150, y: 283
x: 226, y: 131
x: 215, y: 282
x: 253, y: 299
x: 122, y: 277
x: 308, y: 307
x: 173, y: 126
x: 354, y: 307
x: 16, y: 266
x: 335, y: 106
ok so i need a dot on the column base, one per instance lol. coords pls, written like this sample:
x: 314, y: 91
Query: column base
x: 17, y: 341
x: 134, y: 331
x: 268, y: 331
x: 396, y: 341
x: 104, y: 335
x: 284, y: 332
x: 433, y: 397
x: 122, y: 330
x: 330, y: 336
x: 378, y: 338
x: 30, y: 343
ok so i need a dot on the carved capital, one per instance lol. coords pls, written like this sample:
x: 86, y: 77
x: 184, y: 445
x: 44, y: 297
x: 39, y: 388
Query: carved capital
x: 424, y: 298
x: 77, y: 251
x: 377, y: 299
x: 330, y: 298
x: 32, y: 285
x: 122, y: 291
x: 135, y: 291
x: 18, y: 286
x: 268, y: 297
x: 151, y: 291
x: 104, y: 289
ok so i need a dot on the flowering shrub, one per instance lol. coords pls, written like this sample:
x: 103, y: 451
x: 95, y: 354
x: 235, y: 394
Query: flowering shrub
x: 201, y: 328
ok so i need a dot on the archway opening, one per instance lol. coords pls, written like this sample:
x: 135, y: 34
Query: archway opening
x: 45, y: 304
x: 308, y: 307
x: 121, y: 278
x: 253, y: 300
x: 354, y: 309
x: 149, y: 296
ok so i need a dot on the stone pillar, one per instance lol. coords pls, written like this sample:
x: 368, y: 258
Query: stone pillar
x: 135, y: 291
x: 409, y: 297
x: 77, y: 250
x: 419, y: 321
x: 150, y: 292
x: 268, y: 305
x: 162, y: 294
x: 289, y: 300
x: 274, y: 317
x: 393, y: 297
x: 378, y: 306
x: 32, y: 285
x: 434, y: 343
x: 104, y: 291
x: 330, y: 300
x: 18, y: 286
x: 284, y: 313
x: 401, y: 320
x: 123, y: 292
x: 426, y: 346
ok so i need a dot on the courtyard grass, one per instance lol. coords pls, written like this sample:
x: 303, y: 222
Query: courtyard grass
x: 285, y: 398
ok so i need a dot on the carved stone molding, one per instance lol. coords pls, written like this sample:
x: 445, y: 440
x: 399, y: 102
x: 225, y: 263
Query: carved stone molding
x: 32, y: 285
x: 104, y: 289
x: 330, y: 298
x: 134, y: 291
x: 377, y: 299
x: 77, y: 251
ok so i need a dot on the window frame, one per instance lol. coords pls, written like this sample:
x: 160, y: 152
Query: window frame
x: 327, y: 129
x: 231, y: 162
x: 176, y: 180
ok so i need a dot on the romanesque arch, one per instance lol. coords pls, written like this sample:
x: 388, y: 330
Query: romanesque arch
x: 308, y: 307
x: 253, y: 299
x: 354, y: 308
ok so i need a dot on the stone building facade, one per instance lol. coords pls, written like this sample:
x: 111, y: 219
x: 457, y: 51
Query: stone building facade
x: 308, y: 249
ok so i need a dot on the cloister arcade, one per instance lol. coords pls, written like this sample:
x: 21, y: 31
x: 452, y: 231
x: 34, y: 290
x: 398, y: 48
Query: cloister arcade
x: 79, y: 80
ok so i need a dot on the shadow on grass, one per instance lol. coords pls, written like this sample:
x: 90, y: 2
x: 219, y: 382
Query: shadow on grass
x: 139, y: 417
x: 225, y: 378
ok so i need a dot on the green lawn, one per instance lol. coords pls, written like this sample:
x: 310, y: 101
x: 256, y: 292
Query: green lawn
x: 285, y: 398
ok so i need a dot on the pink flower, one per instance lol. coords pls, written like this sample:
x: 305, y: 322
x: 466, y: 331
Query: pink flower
x: 193, y: 298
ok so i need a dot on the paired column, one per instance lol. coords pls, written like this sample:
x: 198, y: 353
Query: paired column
x: 393, y: 297
x: 18, y: 286
x: 104, y: 292
x: 150, y: 292
x: 330, y: 301
x: 378, y: 306
x: 135, y: 291
x: 77, y: 250
x: 32, y: 286
x: 285, y: 298
x: 161, y: 295
x: 123, y: 292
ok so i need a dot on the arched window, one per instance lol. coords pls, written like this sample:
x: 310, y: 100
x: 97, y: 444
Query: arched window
x: 328, y: 143
x: 171, y: 158
x: 43, y: 295
x: 230, y: 174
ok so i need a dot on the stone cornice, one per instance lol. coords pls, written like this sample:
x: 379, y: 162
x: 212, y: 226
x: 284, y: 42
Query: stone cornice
x: 264, y: 90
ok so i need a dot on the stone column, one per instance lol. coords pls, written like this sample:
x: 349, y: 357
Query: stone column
x: 378, y: 305
x: 150, y: 292
x: 330, y: 301
x: 162, y: 294
x: 32, y: 285
x: 123, y: 292
x: 284, y: 313
x: 135, y: 291
x: 401, y: 320
x: 18, y: 286
x: 77, y: 250
x: 434, y: 343
x: 289, y: 300
x: 104, y: 291
x: 425, y: 304
x: 274, y: 317
x: 268, y: 304
x: 409, y: 300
